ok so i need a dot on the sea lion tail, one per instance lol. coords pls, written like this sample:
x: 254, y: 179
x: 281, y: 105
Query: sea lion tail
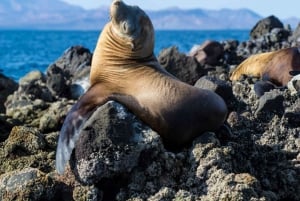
x: 73, y: 124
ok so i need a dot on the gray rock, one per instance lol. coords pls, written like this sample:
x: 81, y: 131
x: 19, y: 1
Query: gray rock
x: 165, y: 193
x: 122, y: 159
x: 7, y: 87
x: 27, y: 184
x: 110, y: 144
x: 30, y: 100
x: 26, y: 111
x: 33, y: 86
x: 244, y: 93
x: 295, y: 38
x: 36, y: 92
x: 5, y: 127
x: 57, y: 81
x: 279, y: 34
x: 292, y: 114
x: 87, y: 193
x: 294, y: 85
x: 265, y: 26
x: 75, y: 61
x: 271, y: 102
x: 230, y: 52
x: 75, y: 66
x: 260, y: 87
x: 221, y: 87
x: 24, y: 141
x: 52, y: 118
x: 185, y: 68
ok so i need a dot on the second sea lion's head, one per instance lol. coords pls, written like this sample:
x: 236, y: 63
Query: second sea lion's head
x: 131, y: 23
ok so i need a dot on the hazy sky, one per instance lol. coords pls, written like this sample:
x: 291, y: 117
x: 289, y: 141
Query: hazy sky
x: 280, y: 8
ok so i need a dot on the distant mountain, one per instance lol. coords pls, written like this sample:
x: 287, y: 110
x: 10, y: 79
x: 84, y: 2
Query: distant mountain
x: 204, y: 19
x: 58, y: 15
x: 293, y: 21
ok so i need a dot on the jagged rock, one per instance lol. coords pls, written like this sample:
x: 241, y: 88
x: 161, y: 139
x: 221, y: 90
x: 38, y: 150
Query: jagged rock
x: 57, y: 82
x: 230, y: 52
x: 165, y: 193
x: 294, y: 84
x: 30, y: 100
x: 74, y: 71
x: 260, y: 87
x: 260, y: 161
x: 52, y: 118
x: 91, y: 193
x: 33, y: 86
x: 271, y: 102
x: 279, y: 34
x: 75, y: 61
x: 244, y: 92
x: 24, y: 141
x: 5, y: 128
x: 183, y: 67
x: 295, y: 38
x: 292, y: 114
x: 221, y: 87
x: 32, y: 91
x: 110, y: 144
x: 210, y: 52
x: 7, y: 87
x: 26, y: 111
x: 265, y: 26
x: 27, y: 184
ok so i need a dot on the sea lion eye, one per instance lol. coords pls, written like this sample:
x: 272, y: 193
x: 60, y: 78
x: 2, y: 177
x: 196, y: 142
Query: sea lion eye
x: 124, y: 27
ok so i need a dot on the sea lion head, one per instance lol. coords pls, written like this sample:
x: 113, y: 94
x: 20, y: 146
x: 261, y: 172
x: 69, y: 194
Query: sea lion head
x: 130, y: 23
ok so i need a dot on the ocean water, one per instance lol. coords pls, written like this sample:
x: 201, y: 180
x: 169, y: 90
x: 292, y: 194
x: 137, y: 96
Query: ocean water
x: 24, y: 51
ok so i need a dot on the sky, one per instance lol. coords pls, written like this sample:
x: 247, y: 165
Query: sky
x: 280, y: 8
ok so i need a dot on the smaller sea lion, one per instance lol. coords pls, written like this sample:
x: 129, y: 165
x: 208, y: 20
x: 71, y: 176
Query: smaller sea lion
x: 276, y: 66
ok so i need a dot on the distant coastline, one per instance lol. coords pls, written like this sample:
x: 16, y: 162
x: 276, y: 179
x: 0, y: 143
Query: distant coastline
x: 59, y: 15
x: 26, y: 50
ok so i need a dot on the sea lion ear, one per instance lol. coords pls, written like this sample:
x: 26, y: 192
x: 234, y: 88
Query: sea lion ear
x: 132, y: 46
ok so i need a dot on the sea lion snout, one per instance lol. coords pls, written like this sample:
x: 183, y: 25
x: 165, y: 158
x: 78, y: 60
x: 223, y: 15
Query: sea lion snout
x: 117, y: 2
x: 124, y: 16
x: 132, y: 24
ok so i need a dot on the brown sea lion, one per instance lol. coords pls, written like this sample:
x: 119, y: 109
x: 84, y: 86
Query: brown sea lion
x: 276, y: 66
x: 124, y: 69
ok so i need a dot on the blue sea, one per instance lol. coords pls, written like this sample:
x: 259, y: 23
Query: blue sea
x: 24, y: 51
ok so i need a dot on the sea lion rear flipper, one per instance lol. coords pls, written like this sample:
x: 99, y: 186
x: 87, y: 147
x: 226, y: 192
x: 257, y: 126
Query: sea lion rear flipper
x: 73, y: 123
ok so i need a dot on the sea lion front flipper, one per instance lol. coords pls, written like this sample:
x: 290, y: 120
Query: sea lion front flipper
x: 74, y: 121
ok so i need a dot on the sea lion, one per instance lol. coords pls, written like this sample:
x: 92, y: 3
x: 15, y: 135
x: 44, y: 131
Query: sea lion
x: 124, y: 69
x: 277, y: 66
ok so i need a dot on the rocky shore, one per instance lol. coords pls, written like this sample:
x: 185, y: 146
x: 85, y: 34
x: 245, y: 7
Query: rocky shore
x: 255, y: 156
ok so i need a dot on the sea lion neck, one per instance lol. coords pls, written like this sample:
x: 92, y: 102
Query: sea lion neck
x: 112, y: 45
